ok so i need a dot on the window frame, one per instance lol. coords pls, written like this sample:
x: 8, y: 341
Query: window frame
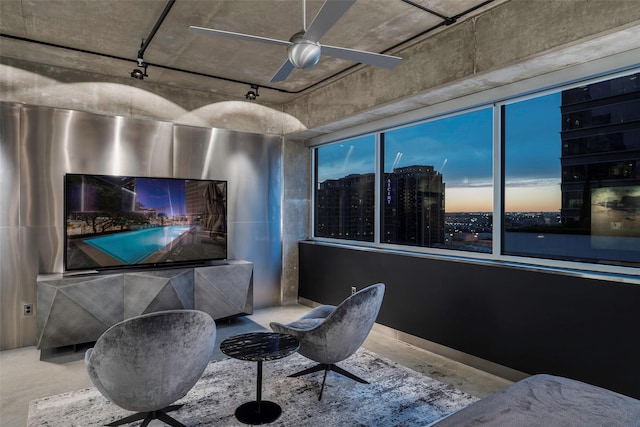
x: 496, y: 99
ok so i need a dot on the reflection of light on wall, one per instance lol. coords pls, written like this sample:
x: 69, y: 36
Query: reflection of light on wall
x: 243, y: 116
x: 122, y: 99
x: 117, y: 147
x: 209, y: 154
x: 66, y: 138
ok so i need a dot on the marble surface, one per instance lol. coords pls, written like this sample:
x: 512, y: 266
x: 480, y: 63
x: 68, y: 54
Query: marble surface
x: 259, y: 346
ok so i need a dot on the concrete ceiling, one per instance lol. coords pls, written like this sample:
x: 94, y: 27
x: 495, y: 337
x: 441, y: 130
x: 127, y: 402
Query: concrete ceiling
x: 104, y: 37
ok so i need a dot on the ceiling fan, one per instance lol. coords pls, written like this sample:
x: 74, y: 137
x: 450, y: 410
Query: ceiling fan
x: 304, y: 48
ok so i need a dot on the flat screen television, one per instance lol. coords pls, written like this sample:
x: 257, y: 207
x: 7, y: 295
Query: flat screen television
x: 116, y: 222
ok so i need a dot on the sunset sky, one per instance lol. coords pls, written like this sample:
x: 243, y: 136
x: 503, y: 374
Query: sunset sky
x: 461, y: 148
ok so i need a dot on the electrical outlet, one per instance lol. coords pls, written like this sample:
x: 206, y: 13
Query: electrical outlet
x: 28, y: 309
x: 353, y: 290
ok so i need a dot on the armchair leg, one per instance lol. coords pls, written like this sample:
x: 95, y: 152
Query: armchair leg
x: 328, y: 367
x: 310, y: 370
x: 160, y: 414
x: 347, y: 374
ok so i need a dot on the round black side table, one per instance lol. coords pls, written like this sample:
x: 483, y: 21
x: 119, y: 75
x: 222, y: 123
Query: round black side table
x: 259, y: 347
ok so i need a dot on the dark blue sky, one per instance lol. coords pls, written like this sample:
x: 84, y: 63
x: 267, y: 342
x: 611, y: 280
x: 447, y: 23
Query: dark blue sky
x: 534, y: 146
x: 461, y: 148
x: 165, y: 195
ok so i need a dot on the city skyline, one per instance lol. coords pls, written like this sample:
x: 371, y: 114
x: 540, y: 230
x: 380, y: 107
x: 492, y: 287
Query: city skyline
x: 461, y: 148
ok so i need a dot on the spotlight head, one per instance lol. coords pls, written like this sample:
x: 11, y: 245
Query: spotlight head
x: 138, y: 74
x: 252, y: 95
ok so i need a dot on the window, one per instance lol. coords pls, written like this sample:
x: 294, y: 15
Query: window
x: 572, y: 182
x: 569, y: 180
x: 437, y: 183
x: 345, y: 190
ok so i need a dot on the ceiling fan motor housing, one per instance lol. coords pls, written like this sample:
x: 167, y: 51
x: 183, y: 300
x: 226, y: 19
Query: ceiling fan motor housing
x: 303, y: 53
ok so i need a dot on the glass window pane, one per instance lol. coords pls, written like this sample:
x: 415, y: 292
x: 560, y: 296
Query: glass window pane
x: 345, y: 190
x: 437, y: 185
x: 572, y: 174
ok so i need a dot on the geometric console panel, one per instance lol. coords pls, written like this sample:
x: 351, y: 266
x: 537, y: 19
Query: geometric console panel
x: 149, y: 291
x: 213, y: 294
x: 76, y: 310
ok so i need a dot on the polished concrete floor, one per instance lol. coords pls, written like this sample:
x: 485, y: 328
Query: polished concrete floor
x: 27, y: 374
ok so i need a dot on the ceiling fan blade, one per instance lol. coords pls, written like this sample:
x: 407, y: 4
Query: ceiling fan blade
x: 329, y: 13
x: 370, y: 58
x: 237, y: 36
x: 284, y: 71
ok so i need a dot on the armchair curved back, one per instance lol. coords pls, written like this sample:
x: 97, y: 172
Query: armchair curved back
x: 345, y: 329
x: 147, y: 362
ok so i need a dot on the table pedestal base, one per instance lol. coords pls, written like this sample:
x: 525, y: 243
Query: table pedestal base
x: 255, y: 413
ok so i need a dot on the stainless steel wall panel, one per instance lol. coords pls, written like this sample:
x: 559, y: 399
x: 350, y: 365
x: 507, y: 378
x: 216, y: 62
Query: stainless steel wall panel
x: 250, y: 163
x: 14, y: 267
x: 252, y: 166
x: 117, y: 146
x: 256, y: 243
x: 62, y: 141
x: 203, y: 153
x: 9, y: 164
x: 17, y: 286
x: 40, y: 193
x: 9, y: 287
x: 41, y: 144
x: 50, y: 248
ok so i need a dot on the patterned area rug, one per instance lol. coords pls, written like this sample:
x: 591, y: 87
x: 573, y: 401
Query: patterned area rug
x: 396, y: 396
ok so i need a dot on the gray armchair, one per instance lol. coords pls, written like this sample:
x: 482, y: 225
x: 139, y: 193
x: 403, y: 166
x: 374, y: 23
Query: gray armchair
x: 146, y: 363
x: 330, y: 334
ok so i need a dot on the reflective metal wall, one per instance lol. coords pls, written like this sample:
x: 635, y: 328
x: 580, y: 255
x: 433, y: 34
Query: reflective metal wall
x: 41, y: 144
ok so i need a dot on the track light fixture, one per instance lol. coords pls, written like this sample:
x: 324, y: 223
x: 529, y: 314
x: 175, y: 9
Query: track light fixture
x: 139, y: 74
x: 252, y: 95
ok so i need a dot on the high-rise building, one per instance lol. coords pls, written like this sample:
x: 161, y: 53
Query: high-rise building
x: 345, y: 207
x: 413, y: 203
x: 413, y: 206
x: 194, y: 201
x: 601, y: 155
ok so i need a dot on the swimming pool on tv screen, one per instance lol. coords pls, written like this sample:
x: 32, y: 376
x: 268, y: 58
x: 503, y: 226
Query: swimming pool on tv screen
x: 132, y: 247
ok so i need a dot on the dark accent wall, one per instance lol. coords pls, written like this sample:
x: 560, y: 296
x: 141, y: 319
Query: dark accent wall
x: 528, y: 320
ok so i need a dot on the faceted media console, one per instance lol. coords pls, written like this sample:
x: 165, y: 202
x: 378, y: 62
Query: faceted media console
x: 76, y: 310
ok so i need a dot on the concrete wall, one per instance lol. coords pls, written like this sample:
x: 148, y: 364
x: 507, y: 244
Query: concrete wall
x: 512, y: 42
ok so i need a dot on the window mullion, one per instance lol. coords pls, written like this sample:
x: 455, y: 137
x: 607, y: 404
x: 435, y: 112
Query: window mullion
x: 379, y: 161
x: 498, y: 182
